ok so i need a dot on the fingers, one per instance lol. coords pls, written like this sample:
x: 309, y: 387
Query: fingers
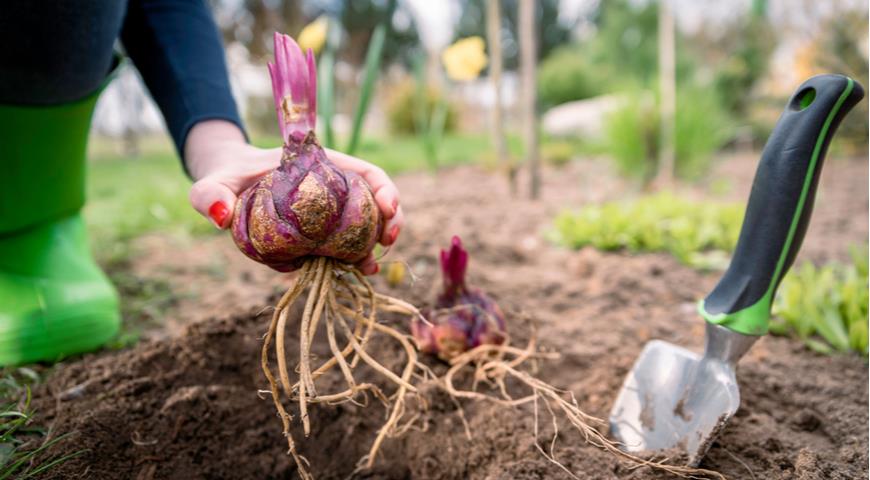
x: 392, y: 228
x: 213, y: 200
x: 368, y: 266
x: 385, y: 191
x: 228, y: 174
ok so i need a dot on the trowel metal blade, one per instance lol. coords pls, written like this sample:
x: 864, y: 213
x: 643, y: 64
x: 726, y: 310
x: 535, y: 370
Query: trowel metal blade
x: 674, y: 398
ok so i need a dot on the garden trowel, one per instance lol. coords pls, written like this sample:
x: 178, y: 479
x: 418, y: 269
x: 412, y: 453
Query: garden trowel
x: 676, y: 399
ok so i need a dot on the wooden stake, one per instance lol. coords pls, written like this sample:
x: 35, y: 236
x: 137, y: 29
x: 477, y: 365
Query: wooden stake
x: 493, y: 34
x: 528, y: 53
x: 668, y: 90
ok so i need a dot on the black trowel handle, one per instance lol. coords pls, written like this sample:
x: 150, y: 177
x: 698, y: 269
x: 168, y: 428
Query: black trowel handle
x: 780, y: 203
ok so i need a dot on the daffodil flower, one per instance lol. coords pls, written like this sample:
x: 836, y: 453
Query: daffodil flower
x: 313, y: 36
x: 465, y: 59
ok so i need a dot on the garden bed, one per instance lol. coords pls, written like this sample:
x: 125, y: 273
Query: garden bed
x: 185, y: 404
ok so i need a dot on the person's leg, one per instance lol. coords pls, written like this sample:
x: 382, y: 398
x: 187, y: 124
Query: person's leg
x: 54, y: 300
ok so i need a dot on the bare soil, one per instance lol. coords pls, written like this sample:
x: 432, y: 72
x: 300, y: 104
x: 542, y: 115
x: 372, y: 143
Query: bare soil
x: 184, y: 403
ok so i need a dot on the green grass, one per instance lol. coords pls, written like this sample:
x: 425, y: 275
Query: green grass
x: 128, y: 197
x: 22, y: 443
x: 699, y: 234
x: 825, y: 307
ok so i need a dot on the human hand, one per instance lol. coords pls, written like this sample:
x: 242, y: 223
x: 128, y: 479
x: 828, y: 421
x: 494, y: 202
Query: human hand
x: 223, y: 165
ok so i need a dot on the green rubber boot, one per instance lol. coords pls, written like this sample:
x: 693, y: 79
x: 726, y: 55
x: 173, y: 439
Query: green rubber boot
x: 54, y: 299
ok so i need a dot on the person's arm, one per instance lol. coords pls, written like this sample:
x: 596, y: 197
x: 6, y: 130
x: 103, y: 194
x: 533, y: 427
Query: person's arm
x: 176, y: 47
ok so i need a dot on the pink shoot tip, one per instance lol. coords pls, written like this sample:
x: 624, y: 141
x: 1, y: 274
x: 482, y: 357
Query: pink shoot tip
x: 294, y: 86
x: 454, y: 263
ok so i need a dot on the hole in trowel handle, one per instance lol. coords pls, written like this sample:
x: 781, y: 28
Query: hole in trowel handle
x: 803, y: 99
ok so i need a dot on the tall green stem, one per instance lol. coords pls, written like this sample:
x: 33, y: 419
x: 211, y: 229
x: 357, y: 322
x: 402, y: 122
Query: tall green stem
x: 372, y: 66
x: 326, y: 90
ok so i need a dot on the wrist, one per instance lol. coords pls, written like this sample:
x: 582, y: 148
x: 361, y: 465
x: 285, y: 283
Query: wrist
x: 204, y: 143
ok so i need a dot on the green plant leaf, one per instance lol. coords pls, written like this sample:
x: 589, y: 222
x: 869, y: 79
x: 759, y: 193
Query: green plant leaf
x: 370, y: 74
x: 826, y: 305
x: 326, y: 81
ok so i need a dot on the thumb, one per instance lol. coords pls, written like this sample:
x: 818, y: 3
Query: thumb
x: 213, y: 200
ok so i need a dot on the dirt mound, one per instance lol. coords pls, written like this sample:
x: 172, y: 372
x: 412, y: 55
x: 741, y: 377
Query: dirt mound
x: 188, y: 407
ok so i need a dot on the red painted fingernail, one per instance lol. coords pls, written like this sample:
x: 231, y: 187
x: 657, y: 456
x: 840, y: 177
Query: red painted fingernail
x: 377, y: 268
x: 394, y: 233
x: 218, y: 212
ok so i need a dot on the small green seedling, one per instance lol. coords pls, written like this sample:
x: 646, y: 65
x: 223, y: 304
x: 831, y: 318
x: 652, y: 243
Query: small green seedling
x: 826, y: 307
x: 699, y: 234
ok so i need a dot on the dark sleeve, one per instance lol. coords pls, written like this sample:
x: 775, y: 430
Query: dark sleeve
x: 177, y: 49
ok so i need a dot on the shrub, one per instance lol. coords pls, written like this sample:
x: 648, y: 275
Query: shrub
x: 631, y: 134
x: 752, y: 43
x: 825, y: 307
x: 567, y: 75
x: 702, y: 127
x: 402, y: 109
x: 631, y: 137
x: 841, y: 46
x: 558, y: 152
x: 699, y: 234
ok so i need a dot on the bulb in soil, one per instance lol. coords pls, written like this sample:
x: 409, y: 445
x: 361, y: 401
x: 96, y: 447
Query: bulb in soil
x: 463, y: 317
x: 309, y: 215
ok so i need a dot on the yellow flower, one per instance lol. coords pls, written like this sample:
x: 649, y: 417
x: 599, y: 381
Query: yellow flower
x: 313, y: 36
x: 395, y: 274
x: 465, y: 59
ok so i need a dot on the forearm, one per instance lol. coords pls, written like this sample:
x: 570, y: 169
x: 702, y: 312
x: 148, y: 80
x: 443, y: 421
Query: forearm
x: 177, y: 48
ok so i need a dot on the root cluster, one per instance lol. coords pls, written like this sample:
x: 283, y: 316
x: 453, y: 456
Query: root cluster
x: 343, y: 301
x: 496, y: 364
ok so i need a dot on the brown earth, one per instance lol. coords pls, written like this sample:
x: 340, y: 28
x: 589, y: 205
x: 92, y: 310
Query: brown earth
x: 184, y: 404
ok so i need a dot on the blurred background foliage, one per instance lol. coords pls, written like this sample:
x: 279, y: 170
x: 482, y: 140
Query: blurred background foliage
x: 565, y: 76
x: 253, y: 23
x: 631, y: 133
x: 553, y: 32
x: 841, y: 46
x: 724, y: 78
x: 731, y: 60
x: 403, y: 105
